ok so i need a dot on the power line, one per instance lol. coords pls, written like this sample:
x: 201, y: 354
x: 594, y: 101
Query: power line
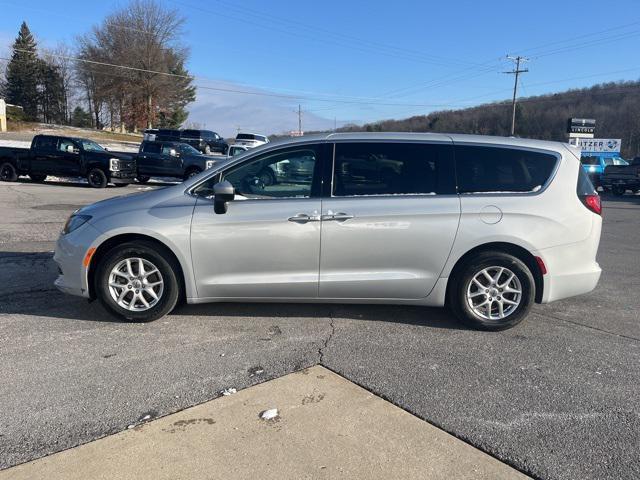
x: 266, y: 21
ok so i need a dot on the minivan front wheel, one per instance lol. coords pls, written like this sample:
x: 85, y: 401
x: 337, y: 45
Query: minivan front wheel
x: 136, y: 282
x: 493, y: 291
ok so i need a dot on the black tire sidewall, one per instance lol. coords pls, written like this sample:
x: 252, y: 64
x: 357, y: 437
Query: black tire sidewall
x: 458, y: 298
x: 172, y: 284
x: 143, y: 179
x: 13, y: 176
x: 618, y: 190
x: 103, y: 182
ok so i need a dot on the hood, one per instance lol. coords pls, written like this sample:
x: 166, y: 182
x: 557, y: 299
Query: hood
x: 110, y: 154
x: 165, y: 196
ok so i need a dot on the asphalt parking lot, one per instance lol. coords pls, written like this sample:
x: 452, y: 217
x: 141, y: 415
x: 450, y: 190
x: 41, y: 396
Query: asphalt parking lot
x: 556, y: 397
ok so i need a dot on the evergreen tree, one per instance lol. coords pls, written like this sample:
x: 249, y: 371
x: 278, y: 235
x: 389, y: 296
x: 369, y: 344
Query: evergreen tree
x: 22, y: 74
x: 51, y: 93
x: 80, y: 118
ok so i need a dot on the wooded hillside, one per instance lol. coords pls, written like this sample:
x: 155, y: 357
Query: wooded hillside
x: 615, y: 106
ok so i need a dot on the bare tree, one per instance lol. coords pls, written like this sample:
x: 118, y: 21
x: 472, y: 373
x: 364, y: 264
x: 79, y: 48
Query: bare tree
x: 154, y: 85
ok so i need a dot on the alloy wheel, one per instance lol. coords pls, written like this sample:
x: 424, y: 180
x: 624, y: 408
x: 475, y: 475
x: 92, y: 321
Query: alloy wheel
x: 136, y: 284
x: 494, y: 293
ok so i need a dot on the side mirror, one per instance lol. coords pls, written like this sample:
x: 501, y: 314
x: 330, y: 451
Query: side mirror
x: 223, y: 192
x: 105, y: 149
x: 70, y: 149
x: 173, y: 152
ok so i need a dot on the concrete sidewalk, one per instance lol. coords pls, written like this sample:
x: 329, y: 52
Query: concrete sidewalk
x: 327, y: 427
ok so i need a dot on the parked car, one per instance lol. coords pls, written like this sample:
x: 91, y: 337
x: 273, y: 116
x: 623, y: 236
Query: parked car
x: 67, y: 157
x: 594, y: 165
x: 170, y: 159
x: 204, y: 140
x: 487, y: 225
x: 251, y: 140
x: 236, y: 150
x: 620, y: 178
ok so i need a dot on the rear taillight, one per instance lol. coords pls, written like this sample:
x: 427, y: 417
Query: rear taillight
x: 592, y: 202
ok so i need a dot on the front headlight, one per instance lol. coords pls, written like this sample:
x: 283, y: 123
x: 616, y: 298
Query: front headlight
x: 114, y: 164
x: 210, y: 163
x: 74, y: 222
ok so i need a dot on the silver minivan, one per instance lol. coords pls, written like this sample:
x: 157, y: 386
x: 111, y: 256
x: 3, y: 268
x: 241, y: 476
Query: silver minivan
x: 485, y: 225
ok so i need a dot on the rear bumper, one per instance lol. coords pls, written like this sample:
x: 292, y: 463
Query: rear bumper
x: 571, y: 269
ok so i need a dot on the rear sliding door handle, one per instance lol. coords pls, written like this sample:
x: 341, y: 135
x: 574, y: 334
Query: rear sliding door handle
x: 338, y: 217
x: 304, y: 218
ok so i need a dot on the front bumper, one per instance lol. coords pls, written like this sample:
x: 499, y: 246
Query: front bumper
x: 69, y: 255
x: 123, y: 176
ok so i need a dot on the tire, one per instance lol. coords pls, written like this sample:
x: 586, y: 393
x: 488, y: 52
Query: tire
x: 618, y: 190
x: 143, y: 178
x: 97, y: 178
x: 152, y: 258
x: 37, y: 178
x: 462, y: 285
x: 120, y: 185
x: 207, y: 149
x: 192, y: 172
x: 225, y: 150
x: 8, y: 172
x: 267, y: 177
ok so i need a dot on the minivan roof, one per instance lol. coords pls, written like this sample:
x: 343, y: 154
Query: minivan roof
x: 442, y: 137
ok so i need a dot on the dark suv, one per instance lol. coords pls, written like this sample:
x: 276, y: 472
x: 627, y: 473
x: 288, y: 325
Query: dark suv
x: 170, y: 159
x: 205, y: 141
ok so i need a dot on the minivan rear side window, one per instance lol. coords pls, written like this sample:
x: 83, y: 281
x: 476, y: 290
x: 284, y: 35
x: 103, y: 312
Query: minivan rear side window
x: 483, y: 169
x: 392, y: 169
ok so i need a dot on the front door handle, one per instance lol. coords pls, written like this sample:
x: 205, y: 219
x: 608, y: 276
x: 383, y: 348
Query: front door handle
x: 338, y: 217
x: 304, y: 218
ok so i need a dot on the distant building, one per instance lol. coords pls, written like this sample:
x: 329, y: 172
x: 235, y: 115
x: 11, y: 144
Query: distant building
x: 3, y: 116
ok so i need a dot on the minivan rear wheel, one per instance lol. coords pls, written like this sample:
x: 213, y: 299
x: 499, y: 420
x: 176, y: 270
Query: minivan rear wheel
x: 492, y: 291
x: 136, y: 282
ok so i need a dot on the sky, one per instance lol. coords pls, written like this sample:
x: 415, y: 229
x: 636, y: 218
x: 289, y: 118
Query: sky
x: 356, y: 61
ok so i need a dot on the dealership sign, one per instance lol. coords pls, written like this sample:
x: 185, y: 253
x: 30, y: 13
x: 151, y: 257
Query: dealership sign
x: 599, y: 145
x: 581, y: 126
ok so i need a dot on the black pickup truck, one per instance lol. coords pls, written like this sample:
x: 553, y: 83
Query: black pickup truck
x: 620, y: 178
x: 67, y: 157
x: 171, y: 159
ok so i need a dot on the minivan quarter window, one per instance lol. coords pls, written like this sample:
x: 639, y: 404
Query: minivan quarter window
x: 362, y: 169
x: 488, y: 169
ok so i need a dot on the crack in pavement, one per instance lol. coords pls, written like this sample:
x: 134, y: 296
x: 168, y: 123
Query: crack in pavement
x: 328, y: 339
x: 590, y: 327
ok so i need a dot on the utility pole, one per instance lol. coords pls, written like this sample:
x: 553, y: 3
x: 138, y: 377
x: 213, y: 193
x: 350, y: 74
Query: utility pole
x: 518, y: 60
x: 299, y: 120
